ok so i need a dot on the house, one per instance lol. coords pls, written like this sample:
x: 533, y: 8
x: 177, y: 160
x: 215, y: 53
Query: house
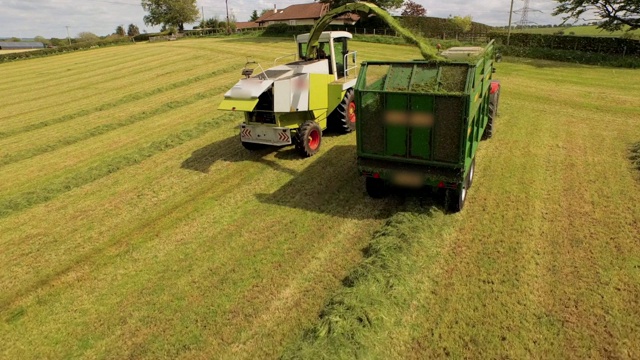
x: 303, y: 14
x: 247, y: 25
x: 20, y: 45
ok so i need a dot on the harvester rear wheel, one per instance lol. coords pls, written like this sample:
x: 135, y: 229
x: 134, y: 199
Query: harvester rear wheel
x: 376, y: 188
x: 343, y: 118
x: 309, y: 138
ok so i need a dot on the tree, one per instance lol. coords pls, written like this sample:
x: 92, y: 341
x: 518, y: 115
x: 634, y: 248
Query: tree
x: 120, y: 30
x: 254, y: 15
x: 385, y: 4
x: 14, y: 39
x: 209, y: 24
x: 88, y: 36
x: 170, y: 12
x: 413, y: 9
x: 461, y: 24
x: 615, y: 13
x: 42, y: 39
x: 133, y: 30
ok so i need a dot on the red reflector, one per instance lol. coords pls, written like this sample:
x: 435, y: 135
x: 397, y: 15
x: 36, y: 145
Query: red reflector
x: 376, y: 176
x: 441, y: 184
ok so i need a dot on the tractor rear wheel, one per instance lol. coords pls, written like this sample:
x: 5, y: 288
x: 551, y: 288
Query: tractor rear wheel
x: 376, y: 188
x: 343, y: 118
x: 309, y: 138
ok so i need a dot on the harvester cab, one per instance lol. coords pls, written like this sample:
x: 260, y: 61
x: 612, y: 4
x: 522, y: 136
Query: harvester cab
x: 294, y: 103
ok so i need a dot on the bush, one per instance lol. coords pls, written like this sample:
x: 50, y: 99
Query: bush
x: 604, y: 45
x: 572, y: 56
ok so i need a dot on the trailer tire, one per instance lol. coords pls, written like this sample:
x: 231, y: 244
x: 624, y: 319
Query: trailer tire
x: 343, y: 118
x: 472, y: 172
x: 376, y: 188
x: 309, y: 138
x: 454, y: 199
x: 252, y: 146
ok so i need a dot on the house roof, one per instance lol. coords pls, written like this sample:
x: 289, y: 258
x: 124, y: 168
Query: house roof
x: 247, y: 25
x: 298, y: 12
x: 264, y: 16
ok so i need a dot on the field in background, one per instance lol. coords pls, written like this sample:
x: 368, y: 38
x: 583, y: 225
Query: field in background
x: 133, y: 224
x: 587, y: 30
x: 2, y: 52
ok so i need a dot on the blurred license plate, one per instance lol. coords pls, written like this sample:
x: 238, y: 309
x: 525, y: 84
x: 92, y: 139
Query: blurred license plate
x: 408, y: 179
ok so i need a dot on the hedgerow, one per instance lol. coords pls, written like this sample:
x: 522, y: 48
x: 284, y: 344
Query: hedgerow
x: 63, y: 49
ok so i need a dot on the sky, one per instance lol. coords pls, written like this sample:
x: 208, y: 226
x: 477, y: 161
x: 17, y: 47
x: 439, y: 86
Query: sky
x: 49, y: 18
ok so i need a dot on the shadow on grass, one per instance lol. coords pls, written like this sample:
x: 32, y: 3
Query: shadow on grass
x: 634, y: 155
x: 331, y: 185
x: 231, y: 150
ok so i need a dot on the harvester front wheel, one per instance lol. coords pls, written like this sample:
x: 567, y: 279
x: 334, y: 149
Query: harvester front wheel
x: 309, y: 138
x: 376, y: 188
x: 343, y: 118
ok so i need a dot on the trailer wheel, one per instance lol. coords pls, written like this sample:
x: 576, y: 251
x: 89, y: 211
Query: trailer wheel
x: 309, y: 138
x: 472, y: 171
x: 454, y: 199
x: 343, y: 118
x: 252, y: 146
x: 376, y: 188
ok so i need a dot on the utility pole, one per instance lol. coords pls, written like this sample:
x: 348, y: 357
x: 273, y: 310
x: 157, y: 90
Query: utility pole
x: 68, y: 36
x: 228, y: 27
x: 509, y: 31
x: 203, y: 18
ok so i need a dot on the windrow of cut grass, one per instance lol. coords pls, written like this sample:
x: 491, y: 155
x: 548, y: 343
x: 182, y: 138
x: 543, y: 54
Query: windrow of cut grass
x: 100, y: 91
x: 119, y: 101
x: 22, y: 147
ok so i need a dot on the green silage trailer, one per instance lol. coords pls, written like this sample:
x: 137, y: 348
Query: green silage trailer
x: 420, y: 122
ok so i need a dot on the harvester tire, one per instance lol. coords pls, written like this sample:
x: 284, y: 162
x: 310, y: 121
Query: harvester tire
x: 343, y: 118
x: 252, y: 146
x: 309, y: 138
x: 376, y: 188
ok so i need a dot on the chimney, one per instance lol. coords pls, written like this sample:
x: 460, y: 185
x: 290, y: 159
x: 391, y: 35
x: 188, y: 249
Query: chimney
x: 275, y: 8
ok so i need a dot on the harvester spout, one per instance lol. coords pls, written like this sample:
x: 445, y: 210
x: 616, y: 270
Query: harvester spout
x: 365, y: 9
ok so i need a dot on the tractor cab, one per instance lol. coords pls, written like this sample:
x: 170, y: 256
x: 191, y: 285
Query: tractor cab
x: 332, y: 46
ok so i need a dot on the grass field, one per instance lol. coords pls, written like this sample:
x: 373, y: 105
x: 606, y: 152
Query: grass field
x: 585, y: 30
x: 134, y: 225
x: 2, y: 52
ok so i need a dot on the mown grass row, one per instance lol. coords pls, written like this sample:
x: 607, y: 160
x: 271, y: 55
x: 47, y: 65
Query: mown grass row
x: 19, y: 202
x: 93, y: 92
x: 378, y: 289
x: 72, y: 67
x: 99, y: 76
x: 105, y: 128
x: 119, y: 102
